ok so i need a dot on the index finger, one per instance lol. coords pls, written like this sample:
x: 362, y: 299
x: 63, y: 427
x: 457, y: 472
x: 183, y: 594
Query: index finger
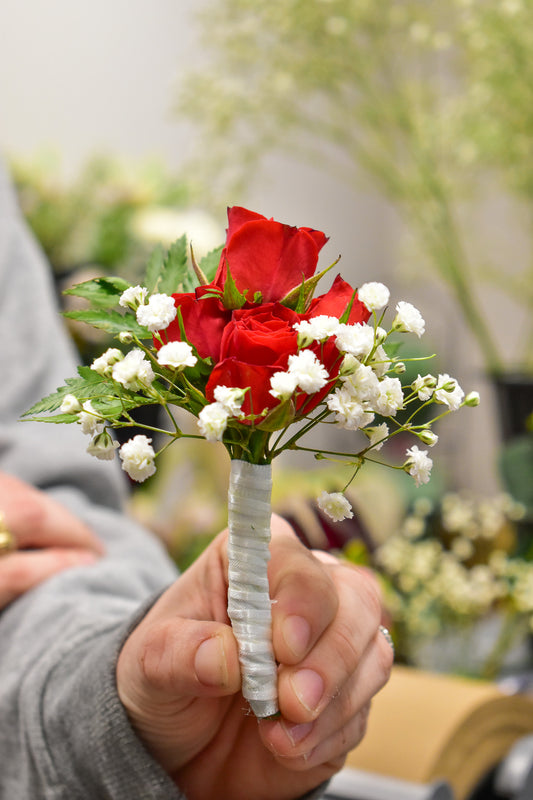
x: 36, y: 520
x: 304, y: 598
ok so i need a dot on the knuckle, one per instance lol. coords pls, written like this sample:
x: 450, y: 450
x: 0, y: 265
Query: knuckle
x: 154, y: 656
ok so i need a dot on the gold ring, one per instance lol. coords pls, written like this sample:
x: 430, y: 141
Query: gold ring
x: 7, y: 540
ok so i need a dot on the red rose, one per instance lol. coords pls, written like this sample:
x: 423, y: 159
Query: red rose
x: 255, y: 344
x: 266, y: 256
x: 336, y: 301
x: 203, y: 321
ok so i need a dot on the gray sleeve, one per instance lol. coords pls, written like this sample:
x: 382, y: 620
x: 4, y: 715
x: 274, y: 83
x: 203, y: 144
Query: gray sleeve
x: 64, y: 734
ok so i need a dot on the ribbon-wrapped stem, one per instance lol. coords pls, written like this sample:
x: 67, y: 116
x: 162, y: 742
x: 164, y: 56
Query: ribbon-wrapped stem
x: 249, y: 605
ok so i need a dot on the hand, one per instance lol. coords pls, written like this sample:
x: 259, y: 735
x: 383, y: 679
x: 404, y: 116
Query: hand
x: 178, y: 676
x: 48, y: 537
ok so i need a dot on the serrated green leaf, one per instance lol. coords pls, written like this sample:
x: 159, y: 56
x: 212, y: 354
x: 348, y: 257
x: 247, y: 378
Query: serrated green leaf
x: 209, y: 263
x: 111, y: 321
x: 102, y: 292
x: 57, y: 418
x: 175, y: 275
x: 154, y: 269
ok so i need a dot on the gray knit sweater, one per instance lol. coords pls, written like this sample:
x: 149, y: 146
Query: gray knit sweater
x: 64, y: 734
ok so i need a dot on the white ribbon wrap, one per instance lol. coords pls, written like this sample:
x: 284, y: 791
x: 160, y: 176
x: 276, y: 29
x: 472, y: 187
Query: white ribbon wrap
x: 249, y: 605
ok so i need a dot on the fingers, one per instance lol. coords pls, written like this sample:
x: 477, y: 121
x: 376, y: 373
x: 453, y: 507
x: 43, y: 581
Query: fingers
x: 21, y: 571
x: 36, y: 520
x: 342, y: 724
x: 180, y: 658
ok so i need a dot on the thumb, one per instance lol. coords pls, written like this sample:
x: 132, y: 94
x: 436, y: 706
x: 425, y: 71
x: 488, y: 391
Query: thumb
x: 181, y: 658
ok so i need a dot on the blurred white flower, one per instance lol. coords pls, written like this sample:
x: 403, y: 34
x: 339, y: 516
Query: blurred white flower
x: 138, y: 458
x: 158, y: 313
x: 335, y: 505
x: 176, y: 355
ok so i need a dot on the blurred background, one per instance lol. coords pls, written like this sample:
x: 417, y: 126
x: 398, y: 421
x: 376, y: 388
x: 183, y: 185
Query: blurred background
x: 404, y: 131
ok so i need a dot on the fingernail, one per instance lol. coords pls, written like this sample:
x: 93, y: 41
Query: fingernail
x: 210, y: 662
x: 297, y: 635
x: 308, y: 686
x: 297, y: 733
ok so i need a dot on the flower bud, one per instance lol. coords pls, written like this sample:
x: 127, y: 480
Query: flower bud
x: 125, y: 337
x: 399, y: 368
x: 472, y: 399
x: 428, y: 437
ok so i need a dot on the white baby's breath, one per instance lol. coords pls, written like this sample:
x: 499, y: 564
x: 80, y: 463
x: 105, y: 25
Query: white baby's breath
x: 335, y: 505
x: 390, y: 399
x: 138, y: 458
x: 408, y: 319
x: 374, y: 295
x: 316, y: 329
x: 90, y: 421
x: 358, y: 339
x: 103, y: 365
x: 102, y: 447
x: 283, y: 385
x: 424, y: 386
x: 377, y: 435
x: 231, y: 398
x: 448, y: 392
x: 176, y: 355
x: 418, y: 465
x: 70, y: 405
x: 158, y: 313
x: 133, y: 297
x: 350, y: 412
x: 134, y: 371
x: 212, y: 421
x: 310, y: 374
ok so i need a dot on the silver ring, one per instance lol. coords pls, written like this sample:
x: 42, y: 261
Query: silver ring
x: 8, y: 542
x: 386, y: 633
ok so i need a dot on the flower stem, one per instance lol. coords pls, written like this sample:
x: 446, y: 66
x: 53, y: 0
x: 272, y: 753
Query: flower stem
x: 249, y: 606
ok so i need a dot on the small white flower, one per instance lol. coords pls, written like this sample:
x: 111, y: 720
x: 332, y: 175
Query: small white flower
x: 102, y: 447
x: 363, y: 384
x: 283, y: 385
x: 358, y: 339
x: 231, y: 397
x: 134, y: 371
x: 418, y: 465
x: 158, y: 313
x: 349, y: 365
x: 377, y: 435
x: 390, y: 399
x: 316, y: 329
x: 448, y: 392
x: 428, y: 437
x: 176, y: 355
x: 212, y: 421
x: 349, y: 412
x: 89, y: 419
x: 408, y: 319
x: 133, y: 297
x: 472, y: 399
x: 374, y: 295
x: 335, y: 505
x: 70, y: 405
x: 138, y: 458
x: 311, y: 375
x: 104, y: 364
x: 380, y: 362
x: 424, y: 386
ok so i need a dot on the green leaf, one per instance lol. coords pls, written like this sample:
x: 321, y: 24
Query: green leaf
x: 111, y: 321
x: 209, y: 263
x: 154, y: 269
x: 279, y: 417
x: 175, y: 273
x: 102, y: 292
x: 299, y: 298
x: 232, y: 298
